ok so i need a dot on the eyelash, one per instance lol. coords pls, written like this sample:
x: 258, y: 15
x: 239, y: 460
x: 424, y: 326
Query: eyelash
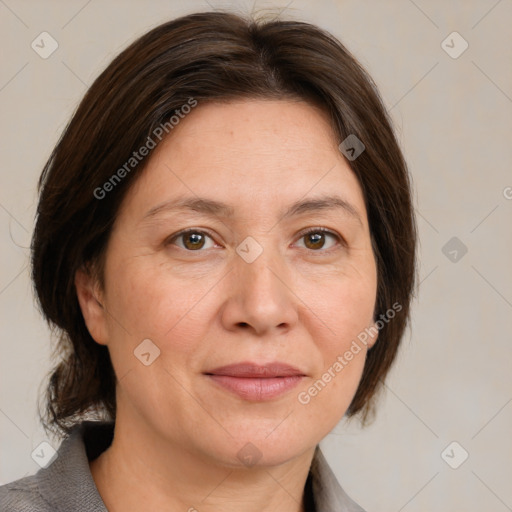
x: 341, y: 241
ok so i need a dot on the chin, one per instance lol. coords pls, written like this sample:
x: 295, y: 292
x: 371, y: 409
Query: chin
x: 252, y: 445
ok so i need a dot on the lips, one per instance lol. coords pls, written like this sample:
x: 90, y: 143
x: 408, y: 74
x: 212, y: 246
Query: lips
x: 252, y: 370
x: 254, y: 382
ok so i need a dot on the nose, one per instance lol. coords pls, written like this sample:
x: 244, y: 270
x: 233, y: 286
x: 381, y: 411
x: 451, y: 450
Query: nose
x: 260, y: 298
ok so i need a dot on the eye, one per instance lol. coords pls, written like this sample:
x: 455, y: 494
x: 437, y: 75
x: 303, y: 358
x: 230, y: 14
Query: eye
x: 317, y: 238
x: 192, y: 239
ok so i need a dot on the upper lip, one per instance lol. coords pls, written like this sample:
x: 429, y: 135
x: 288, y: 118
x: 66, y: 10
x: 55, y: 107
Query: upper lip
x: 253, y: 370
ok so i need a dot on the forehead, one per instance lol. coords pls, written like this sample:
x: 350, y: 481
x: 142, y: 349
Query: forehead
x: 241, y: 129
x: 249, y: 153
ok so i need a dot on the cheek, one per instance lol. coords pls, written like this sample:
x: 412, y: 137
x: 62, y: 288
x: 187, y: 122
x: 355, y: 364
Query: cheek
x: 351, y: 312
x: 344, y: 307
x: 347, y: 312
x: 152, y: 303
x: 146, y: 303
x: 344, y: 303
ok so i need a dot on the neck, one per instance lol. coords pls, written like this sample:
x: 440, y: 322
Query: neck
x: 156, y: 474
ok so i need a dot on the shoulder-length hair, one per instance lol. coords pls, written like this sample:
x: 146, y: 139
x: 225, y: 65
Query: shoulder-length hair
x: 208, y: 57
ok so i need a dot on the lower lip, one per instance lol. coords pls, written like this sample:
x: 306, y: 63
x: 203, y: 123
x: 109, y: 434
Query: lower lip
x: 256, y: 389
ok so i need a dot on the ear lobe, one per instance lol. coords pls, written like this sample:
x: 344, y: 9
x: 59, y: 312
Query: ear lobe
x: 91, y: 305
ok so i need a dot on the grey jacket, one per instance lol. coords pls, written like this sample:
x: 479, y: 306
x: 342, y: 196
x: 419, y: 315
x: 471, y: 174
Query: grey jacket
x: 66, y: 485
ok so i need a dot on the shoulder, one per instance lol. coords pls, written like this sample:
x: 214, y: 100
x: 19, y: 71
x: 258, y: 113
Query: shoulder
x: 66, y: 483
x: 22, y: 495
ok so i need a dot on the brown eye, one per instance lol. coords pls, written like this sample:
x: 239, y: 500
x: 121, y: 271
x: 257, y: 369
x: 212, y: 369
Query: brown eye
x: 192, y: 240
x: 317, y: 239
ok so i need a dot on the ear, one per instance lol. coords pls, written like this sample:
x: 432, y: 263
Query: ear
x: 91, y: 303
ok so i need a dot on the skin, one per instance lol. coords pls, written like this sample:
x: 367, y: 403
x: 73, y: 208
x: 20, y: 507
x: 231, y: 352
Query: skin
x: 177, y: 434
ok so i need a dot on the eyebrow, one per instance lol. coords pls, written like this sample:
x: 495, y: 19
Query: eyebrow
x: 219, y: 209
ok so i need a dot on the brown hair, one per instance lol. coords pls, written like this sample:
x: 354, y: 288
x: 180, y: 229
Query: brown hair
x: 206, y: 56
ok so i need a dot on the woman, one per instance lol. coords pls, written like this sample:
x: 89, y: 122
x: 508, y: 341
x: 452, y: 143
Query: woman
x: 226, y: 243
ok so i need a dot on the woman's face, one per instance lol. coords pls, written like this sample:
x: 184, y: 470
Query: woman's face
x: 246, y: 285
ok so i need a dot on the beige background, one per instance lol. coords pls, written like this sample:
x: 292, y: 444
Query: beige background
x: 453, y: 380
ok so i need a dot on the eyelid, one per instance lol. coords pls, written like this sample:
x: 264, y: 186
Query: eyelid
x: 319, y: 229
x: 173, y: 237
